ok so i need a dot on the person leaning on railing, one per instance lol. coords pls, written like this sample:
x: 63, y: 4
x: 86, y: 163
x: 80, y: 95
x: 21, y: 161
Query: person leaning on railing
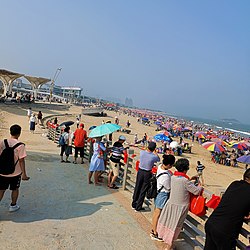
x: 224, y: 224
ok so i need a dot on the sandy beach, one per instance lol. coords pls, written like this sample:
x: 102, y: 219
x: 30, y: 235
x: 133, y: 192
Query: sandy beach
x: 59, y: 210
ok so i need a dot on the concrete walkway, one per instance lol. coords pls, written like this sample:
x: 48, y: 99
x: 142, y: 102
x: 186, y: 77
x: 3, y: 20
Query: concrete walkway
x: 59, y: 210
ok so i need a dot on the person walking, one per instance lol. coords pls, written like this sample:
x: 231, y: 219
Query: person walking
x: 176, y: 209
x: 40, y: 117
x: 65, y: 144
x: 114, y: 161
x: 29, y: 113
x: 147, y: 160
x: 224, y: 224
x: 80, y: 135
x: 163, y: 176
x: 33, y: 121
x: 13, y: 180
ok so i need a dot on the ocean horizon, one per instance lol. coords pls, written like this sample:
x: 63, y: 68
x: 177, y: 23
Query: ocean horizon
x: 239, y: 128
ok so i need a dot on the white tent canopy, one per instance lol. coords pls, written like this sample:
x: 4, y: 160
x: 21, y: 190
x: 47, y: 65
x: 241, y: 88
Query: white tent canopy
x: 7, y: 78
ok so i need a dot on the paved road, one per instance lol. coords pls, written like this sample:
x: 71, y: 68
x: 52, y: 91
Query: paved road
x: 59, y: 210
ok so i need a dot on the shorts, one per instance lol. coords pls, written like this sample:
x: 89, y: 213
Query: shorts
x: 81, y: 150
x: 114, y: 167
x: 161, y: 199
x: 12, y: 183
x: 199, y: 173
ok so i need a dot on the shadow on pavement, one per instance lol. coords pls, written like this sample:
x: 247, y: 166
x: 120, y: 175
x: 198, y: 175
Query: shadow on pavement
x: 58, y: 191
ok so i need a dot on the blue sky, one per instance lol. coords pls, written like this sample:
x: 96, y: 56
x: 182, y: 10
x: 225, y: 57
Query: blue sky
x: 188, y: 58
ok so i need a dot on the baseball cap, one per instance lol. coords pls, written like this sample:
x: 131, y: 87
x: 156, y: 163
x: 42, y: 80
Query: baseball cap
x: 122, y: 138
x: 81, y: 125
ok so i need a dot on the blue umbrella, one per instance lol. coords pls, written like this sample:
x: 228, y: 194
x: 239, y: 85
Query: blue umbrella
x: 144, y: 119
x: 162, y: 137
x: 158, y: 123
x: 244, y: 159
x: 104, y: 129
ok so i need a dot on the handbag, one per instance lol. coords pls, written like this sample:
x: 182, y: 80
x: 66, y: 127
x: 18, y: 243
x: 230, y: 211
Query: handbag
x: 197, y: 205
x: 213, y: 202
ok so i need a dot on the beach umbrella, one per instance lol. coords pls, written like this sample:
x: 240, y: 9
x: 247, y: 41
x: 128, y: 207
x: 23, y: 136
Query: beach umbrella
x: 167, y: 133
x: 162, y: 137
x: 144, y: 119
x: 186, y: 129
x: 201, y: 136
x: 223, y: 137
x: 66, y: 124
x: 240, y: 145
x: 244, y: 159
x: 219, y: 141
x: 213, y: 146
x: 158, y: 123
x: 211, y: 136
x: 104, y: 129
x: 167, y: 126
x: 200, y: 133
x: 174, y: 144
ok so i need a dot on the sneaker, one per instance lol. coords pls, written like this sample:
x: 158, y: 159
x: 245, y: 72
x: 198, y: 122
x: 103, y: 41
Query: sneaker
x: 13, y: 208
x: 155, y: 237
x: 74, y: 162
x: 141, y: 209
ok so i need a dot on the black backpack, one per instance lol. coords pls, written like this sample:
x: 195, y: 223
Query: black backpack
x: 152, y: 189
x: 7, y: 161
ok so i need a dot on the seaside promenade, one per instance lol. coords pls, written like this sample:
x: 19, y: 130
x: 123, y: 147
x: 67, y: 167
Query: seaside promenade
x: 59, y: 210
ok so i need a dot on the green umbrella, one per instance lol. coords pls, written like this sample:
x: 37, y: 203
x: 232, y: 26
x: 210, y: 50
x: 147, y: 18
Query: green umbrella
x: 104, y: 129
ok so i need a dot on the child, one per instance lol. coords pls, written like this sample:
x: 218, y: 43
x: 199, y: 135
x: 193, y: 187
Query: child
x: 199, y: 170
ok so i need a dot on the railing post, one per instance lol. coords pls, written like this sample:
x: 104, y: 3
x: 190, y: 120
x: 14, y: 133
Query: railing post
x: 130, y: 152
x: 90, y: 150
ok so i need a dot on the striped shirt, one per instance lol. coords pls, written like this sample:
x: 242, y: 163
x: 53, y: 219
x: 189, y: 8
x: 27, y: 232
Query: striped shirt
x: 200, y: 168
x: 117, y: 151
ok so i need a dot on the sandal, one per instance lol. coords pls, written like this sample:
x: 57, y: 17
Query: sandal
x: 113, y: 187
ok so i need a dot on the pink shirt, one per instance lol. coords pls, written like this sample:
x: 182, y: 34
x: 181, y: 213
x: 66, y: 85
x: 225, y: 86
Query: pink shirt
x: 19, y: 152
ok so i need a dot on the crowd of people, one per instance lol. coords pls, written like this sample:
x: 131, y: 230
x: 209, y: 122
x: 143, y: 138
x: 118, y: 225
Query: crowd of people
x: 173, y: 187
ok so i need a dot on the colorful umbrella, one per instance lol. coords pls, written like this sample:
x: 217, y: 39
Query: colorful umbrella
x: 223, y: 137
x: 211, y: 136
x: 200, y: 133
x: 167, y: 133
x: 201, y: 136
x: 213, y: 146
x: 104, y: 129
x: 162, y: 137
x: 244, y: 159
x: 240, y: 145
x: 219, y: 141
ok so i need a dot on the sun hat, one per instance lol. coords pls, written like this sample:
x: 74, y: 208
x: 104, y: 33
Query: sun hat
x: 122, y: 138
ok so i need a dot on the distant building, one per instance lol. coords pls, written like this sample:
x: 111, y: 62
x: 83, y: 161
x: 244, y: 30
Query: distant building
x: 129, y: 102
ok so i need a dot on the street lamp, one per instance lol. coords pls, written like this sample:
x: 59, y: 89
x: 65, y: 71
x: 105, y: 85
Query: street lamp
x: 53, y: 82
